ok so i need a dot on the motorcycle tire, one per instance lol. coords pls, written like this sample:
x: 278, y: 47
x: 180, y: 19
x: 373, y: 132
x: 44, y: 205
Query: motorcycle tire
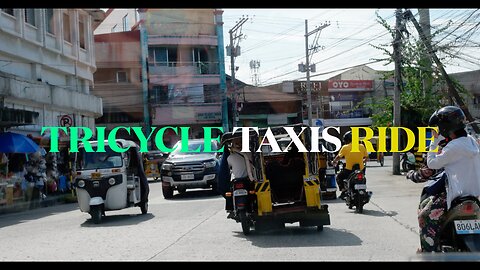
x: 245, y: 222
x: 405, y: 166
x: 359, y: 208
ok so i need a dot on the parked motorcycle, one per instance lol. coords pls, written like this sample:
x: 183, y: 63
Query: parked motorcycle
x: 460, y: 231
x: 356, y: 189
x: 408, y: 161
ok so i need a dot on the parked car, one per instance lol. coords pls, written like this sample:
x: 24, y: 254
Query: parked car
x: 187, y: 170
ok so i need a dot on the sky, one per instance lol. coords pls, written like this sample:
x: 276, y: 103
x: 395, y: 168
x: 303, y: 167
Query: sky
x: 276, y: 39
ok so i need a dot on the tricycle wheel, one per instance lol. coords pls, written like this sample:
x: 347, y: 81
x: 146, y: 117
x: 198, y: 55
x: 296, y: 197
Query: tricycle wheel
x: 144, y: 208
x: 96, y: 213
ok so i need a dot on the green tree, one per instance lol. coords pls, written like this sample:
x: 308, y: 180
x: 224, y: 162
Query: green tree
x: 423, y: 90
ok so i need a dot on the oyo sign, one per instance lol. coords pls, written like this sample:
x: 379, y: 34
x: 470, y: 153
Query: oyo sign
x: 350, y: 85
x: 340, y: 84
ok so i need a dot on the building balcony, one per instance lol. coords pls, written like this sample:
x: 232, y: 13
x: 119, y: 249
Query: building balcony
x: 183, y: 68
x: 186, y: 114
x: 209, y: 40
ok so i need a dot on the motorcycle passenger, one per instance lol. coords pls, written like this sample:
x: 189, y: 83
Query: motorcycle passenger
x: 240, y: 165
x: 351, y: 158
x: 460, y: 158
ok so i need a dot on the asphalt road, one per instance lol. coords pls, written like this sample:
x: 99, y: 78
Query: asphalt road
x: 193, y: 227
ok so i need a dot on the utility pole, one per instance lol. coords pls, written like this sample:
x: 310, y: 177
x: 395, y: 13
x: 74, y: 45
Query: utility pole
x: 234, y: 51
x: 451, y: 87
x: 397, y: 42
x: 307, y: 68
x: 424, y: 14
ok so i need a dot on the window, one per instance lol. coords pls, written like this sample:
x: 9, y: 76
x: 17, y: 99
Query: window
x: 66, y: 28
x: 9, y: 11
x: 121, y: 76
x: 30, y: 16
x: 81, y: 32
x: 114, y: 28
x: 161, y: 56
x: 159, y: 94
x: 125, y: 23
x: 49, y: 21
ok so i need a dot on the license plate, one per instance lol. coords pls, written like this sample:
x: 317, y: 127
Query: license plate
x: 467, y: 226
x: 187, y: 177
x: 240, y: 192
x: 360, y: 186
x: 330, y: 171
x: 95, y: 175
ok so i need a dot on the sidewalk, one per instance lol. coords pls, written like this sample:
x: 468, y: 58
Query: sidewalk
x: 50, y: 200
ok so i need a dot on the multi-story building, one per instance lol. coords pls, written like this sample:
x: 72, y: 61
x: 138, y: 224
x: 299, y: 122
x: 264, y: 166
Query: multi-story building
x: 47, y: 61
x: 184, y: 65
x: 118, y: 81
x: 118, y: 20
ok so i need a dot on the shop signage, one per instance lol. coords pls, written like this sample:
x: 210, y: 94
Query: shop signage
x: 208, y: 116
x: 352, y: 85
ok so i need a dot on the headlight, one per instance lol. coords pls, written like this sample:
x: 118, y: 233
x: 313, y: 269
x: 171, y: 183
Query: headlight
x: 81, y: 183
x: 167, y: 166
x: 210, y: 164
x: 111, y: 181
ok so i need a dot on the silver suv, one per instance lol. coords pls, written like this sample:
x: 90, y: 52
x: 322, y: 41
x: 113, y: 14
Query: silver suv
x: 183, y: 170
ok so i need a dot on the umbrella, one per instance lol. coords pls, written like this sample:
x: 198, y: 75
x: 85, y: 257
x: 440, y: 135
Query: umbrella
x: 16, y: 143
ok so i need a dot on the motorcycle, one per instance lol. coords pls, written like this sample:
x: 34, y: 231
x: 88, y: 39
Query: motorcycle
x: 408, y: 161
x: 243, y: 191
x: 460, y: 231
x: 356, y: 189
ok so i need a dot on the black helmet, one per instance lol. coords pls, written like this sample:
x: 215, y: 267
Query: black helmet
x: 347, y: 137
x: 448, y: 119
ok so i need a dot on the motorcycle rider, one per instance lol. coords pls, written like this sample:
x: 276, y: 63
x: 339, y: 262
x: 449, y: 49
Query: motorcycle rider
x: 351, y: 158
x: 239, y: 165
x: 460, y: 158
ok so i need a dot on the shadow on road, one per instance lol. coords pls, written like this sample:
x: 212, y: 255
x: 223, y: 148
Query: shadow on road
x: 196, y: 195
x: 28, y: 215
x: 288, y: 237
x: 118, y: 220
x: 376, y: 213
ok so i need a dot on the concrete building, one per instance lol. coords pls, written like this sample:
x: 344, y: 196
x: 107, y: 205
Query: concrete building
x: 118, y: 80
x: 471, y: 81
x: 263, y: 107
x: 47, y: 61
x: 184, y: 59
x: 118, y: 20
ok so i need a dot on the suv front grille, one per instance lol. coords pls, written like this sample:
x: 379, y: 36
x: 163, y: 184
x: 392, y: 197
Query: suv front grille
x: 188, y: 168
